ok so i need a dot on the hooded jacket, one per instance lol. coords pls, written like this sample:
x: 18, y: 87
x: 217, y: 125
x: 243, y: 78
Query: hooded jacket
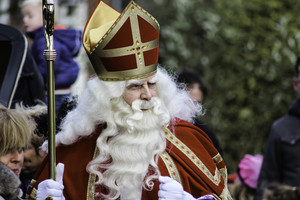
x: 281, y: 162
x: 67, y: 44
x: 9, y: 184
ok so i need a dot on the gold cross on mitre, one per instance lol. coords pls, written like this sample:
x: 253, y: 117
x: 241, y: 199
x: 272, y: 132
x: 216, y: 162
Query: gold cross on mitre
x: 124, y: 45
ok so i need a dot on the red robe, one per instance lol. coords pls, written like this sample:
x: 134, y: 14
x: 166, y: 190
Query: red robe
x: 198, y: 165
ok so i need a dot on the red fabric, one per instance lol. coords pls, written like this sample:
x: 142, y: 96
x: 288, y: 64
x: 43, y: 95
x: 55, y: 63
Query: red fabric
x: 120, y: 63
x: 232, y: 178
x: 123, y: 38
x: 148, y: 32
x: 76, y: 157
x: 151, y: 56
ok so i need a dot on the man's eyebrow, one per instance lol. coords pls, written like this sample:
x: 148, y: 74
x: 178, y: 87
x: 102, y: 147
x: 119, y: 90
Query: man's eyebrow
x: 153, y: 80
x: 134, y: 82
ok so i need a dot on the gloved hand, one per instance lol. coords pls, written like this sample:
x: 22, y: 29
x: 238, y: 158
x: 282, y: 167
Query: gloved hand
x: 169, y: 189
x: 52, y: 188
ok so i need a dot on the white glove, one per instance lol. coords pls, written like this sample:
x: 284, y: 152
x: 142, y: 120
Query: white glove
x: 51, y: 187
x: 170, y: 189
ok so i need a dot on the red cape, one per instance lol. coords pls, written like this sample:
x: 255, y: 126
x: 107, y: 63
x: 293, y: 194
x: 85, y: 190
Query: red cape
x: 200, y: 166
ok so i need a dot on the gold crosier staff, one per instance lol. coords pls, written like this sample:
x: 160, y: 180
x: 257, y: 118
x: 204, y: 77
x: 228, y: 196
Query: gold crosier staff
x: 50, y: 56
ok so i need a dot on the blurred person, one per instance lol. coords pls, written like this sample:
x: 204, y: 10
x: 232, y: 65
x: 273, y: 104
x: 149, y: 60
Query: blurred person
x: 33, y: 154
x: 16, y: 130
x: 277, y: 191
x: 281, y: 162
x: 197, y: 89
x: 193, y: 83
x: 129, y: 135
x: 15, y: 133
x: 67, y: 43
x: 244, y: 187
x: 33, y: 157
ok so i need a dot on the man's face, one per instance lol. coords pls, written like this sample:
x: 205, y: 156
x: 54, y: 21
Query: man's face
x: 32, y: 17
x: 32, y: 161
x: 195, y: 92
x: 14, y: 160
x: 142, y: 89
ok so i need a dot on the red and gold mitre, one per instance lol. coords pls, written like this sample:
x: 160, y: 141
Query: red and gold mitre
x: 122, y: 46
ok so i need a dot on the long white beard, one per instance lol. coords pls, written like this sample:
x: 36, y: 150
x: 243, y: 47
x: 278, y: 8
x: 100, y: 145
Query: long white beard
x: 129, y: 148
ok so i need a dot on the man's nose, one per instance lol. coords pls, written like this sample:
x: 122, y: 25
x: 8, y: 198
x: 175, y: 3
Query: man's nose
x: 146, y: 94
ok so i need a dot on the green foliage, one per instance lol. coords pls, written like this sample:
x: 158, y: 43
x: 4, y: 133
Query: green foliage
x: 245, y: 50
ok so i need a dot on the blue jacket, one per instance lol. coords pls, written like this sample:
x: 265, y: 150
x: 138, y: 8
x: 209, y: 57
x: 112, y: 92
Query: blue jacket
x: 67, y: 43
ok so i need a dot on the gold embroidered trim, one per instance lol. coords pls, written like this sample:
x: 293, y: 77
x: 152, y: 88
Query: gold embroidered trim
x: 172, y: 169
x: 129, y: 78
x: 216, y: 196
x: 216, y: 179
x: 33, y: 193
x: 32, y: 182
x: 225, y: 193
x: 217, y: 158
x: 90, y: 194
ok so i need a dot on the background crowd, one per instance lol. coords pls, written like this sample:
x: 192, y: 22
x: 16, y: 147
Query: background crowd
x: 250, y: 70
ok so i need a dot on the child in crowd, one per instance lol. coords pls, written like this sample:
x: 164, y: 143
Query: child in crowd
x: 67, y: 43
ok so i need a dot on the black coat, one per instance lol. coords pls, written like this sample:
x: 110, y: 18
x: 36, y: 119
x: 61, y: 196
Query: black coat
x: 210, y: 134
x: 281, y: 162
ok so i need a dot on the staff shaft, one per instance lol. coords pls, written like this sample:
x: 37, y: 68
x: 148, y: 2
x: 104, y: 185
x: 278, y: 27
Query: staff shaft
x: 51, y: 120
x: 50, y: 56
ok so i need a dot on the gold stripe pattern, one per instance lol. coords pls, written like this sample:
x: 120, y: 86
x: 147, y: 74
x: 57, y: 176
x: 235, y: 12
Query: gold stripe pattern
x: 216, y: 179
x: 172, y: 169
x: 134, y: 51
x: 217, y: 158
x: 216, y: 196
x: 129, y: 78
x: 90, y: 195
x: 33, y: 193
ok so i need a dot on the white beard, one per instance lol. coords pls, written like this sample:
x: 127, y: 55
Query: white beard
x: 130, y: 147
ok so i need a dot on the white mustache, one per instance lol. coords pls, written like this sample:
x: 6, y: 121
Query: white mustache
x: 145, y: 105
